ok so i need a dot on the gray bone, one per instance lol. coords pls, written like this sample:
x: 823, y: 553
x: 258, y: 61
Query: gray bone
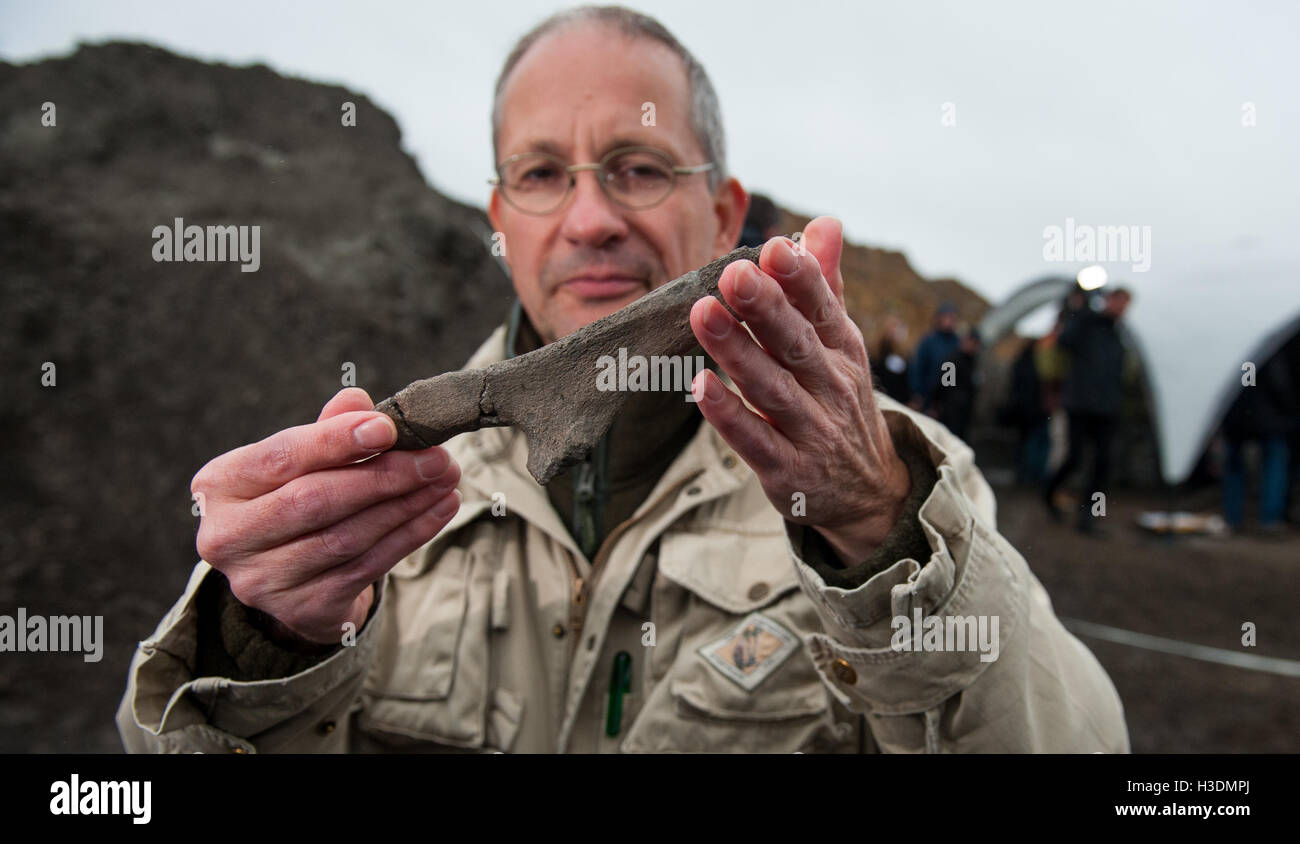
x: 551, y: 394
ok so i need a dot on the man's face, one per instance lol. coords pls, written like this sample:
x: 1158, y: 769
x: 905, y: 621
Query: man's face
x: 578, y: 94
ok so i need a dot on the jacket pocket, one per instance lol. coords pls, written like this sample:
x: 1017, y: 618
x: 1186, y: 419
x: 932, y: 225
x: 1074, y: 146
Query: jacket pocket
x: 431, y: 679
x: 738, y: 678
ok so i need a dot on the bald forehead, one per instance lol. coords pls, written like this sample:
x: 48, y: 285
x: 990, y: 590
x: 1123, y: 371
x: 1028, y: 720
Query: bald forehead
x: 603, y: 72
x: 565, y: 44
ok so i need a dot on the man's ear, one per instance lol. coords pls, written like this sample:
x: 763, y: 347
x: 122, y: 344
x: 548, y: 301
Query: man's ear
x: 730, y: 203
x: 494, y: 216
x: 494, y: 210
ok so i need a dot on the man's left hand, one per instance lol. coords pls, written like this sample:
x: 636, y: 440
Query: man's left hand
x: 818, y: 442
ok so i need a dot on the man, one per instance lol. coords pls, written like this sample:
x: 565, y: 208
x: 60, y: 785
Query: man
x: 955, y: 402
x: 762, y: 221
x: 889, y: 367
x: 1093, y: 389
x: 1264, y: 413
x: 479, y: 611
x: 934, y: 349
x: 1026, y: 411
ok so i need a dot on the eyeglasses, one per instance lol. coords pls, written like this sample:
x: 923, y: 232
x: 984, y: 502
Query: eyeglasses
x: 636, y: 178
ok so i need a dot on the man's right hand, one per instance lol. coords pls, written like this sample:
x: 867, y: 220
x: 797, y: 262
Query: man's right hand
x: 302, y: 530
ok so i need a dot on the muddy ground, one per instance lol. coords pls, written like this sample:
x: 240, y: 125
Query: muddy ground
x: 1194, y: 589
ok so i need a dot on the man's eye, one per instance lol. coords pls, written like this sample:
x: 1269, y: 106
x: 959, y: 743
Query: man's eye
x: 540, y: 173
x: 639, y: 172
x: 648, y: 171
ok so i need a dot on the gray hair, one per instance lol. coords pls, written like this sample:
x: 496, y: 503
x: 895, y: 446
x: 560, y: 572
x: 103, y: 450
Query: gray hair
x: 706, y: 114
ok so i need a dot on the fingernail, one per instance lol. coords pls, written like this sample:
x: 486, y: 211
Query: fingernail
x: 447, y: 506
x: 716, y: 322
x: 431, y: 465
x: 745, y: 286
x: 377, y: 433
x: 783, y: 260
x: 705, y: 387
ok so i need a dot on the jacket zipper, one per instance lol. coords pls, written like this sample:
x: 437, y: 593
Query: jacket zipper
x: 582, y: 588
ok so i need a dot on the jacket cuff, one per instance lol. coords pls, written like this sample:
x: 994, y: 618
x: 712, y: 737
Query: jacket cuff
x: 964, y: 570
x: 172, y: 702
x: 906, y: 539
x: 233, y: 641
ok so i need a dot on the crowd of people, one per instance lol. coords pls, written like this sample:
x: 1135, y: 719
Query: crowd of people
x: 1077, y: 371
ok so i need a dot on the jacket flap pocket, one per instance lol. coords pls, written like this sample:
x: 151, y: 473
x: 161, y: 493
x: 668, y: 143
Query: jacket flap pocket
x: 702, y: 709
x: 735, y: 571
x: 423, y: 623
x: 756, y: 669
x: 431, y: 677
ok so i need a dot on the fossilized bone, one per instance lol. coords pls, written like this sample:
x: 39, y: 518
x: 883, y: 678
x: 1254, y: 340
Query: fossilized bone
x: 551, y: 394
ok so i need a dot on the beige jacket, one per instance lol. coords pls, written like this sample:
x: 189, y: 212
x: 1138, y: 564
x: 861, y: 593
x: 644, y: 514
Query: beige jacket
x: 500, y: 635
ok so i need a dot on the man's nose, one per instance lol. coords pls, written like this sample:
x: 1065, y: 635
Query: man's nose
x: 591, y: 218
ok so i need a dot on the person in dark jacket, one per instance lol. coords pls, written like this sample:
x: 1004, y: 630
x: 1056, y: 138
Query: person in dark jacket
x: 954, y: 400
x: 1264, y: 412
x: 1092, y: 394
x: 1291, y: 353
x: 934, y: 349
x: 761, y: 221
x: 1026, y: 411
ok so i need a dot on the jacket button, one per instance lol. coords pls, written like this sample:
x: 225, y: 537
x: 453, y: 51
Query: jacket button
x: 845, y: 672
x: 558, y: 631
x: 729, y: 461
x: 758, y: 591
x: 327, y: 727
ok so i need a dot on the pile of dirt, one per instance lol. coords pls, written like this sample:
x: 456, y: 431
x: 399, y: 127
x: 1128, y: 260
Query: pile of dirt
x: 161, y: 366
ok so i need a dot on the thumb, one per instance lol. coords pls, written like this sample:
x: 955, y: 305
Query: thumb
x: 346, y: 400
x: 824, y: 238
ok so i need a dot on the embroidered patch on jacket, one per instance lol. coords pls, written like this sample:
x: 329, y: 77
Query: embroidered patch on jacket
x: 749, y: 652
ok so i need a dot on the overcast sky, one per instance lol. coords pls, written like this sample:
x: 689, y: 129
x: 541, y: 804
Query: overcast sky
x: 1108, y: 113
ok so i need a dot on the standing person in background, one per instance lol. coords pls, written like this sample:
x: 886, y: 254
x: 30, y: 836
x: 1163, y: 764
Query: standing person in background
x: 935, y: 348
x: 1053, y: 364
x: 955, y: 401
x: 1290, y: 353
x: 1264, y: 413
x: 888, y: 365
x: 1026, y: 412
x: 761, y: 221
x: 1093, y: 389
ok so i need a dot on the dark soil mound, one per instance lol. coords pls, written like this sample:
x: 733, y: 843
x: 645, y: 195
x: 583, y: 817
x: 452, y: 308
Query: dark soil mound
x: 162, y: 366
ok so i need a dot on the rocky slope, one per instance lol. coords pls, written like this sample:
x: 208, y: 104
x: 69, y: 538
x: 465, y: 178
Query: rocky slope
x: 161, y: 366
